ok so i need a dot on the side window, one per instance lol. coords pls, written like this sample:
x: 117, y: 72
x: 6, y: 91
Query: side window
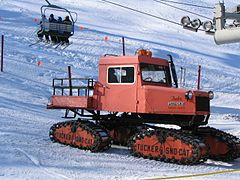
x: 114, y: 75
x: 121, y: 75
x: 127, y: 75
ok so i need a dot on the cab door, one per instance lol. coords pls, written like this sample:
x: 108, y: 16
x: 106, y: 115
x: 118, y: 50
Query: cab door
x: 121, y: 92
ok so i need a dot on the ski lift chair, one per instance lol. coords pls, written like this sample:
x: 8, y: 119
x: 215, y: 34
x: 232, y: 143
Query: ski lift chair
x: 59, y: 30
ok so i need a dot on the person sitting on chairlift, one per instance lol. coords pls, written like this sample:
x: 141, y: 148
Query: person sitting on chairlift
x: 59, y: 38
x: 52, y: 20
x: 42, y: 28
x: 69, y: 22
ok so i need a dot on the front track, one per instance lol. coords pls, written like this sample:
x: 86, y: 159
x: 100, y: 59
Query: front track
x: 81, y: 134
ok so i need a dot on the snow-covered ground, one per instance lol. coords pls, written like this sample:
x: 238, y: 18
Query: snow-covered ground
x: 26, y: 151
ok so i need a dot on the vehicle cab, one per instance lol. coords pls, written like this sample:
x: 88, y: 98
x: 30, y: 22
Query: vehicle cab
x: 144, y: 84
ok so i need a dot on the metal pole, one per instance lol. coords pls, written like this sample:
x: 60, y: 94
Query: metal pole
x: 70, y: 80
x: 123, y: 43
x: 2, y: 46
x: 199, y: 77
x: 181, y: 77
x: 184, y: 77
x: 53, y: 85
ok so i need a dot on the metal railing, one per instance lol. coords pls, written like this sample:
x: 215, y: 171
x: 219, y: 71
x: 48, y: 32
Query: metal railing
x: 73, y: 86
x: 59, y: 27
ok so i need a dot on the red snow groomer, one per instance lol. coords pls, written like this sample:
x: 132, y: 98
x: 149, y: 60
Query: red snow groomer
x: 134, y: 94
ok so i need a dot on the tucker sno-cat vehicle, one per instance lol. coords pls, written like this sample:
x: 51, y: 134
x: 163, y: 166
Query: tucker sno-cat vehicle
x: 133, y: 96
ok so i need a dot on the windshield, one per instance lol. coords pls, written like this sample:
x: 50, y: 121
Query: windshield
x: 155, y: 73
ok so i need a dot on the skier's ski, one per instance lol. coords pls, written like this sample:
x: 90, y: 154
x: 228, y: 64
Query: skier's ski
x: 66, y: 45
x: 58, y: 45
x: 38, y: 41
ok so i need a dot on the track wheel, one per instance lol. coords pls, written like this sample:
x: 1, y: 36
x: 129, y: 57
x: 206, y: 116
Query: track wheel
x: 83, y: 135
x: 168, y: 145
x: 223, y: 146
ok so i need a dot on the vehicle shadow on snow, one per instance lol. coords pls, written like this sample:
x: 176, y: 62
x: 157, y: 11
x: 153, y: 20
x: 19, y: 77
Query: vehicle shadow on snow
x: 225, y: 110
x: 119, y: 150
x: 226, y: 165
x: 125, y: 152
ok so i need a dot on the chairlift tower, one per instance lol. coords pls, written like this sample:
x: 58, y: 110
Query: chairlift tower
x: 227, y: 34
x: 223, y: 33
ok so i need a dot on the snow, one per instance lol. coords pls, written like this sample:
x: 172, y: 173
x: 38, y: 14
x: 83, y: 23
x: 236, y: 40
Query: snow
x: 26, y: 151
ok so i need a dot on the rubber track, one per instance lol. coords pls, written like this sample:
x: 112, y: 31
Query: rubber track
x: 178, y: 134
x: 102, y: 139
x: 230, y: 140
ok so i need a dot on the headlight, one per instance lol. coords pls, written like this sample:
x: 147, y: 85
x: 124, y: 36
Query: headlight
x: 210, y: 95
x: 189, y: 95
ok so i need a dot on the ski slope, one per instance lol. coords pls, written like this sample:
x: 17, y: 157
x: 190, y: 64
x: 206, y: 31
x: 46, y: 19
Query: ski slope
x: 26, y: 151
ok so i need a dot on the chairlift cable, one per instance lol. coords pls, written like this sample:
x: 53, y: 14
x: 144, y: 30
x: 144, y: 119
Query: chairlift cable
x: 141, y: 12
x: 186, y: 4
x: 181, y: 9
x: 48, y: 2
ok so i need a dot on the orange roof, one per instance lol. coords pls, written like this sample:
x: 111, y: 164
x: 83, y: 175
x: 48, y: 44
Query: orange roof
x: 120, y: 60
